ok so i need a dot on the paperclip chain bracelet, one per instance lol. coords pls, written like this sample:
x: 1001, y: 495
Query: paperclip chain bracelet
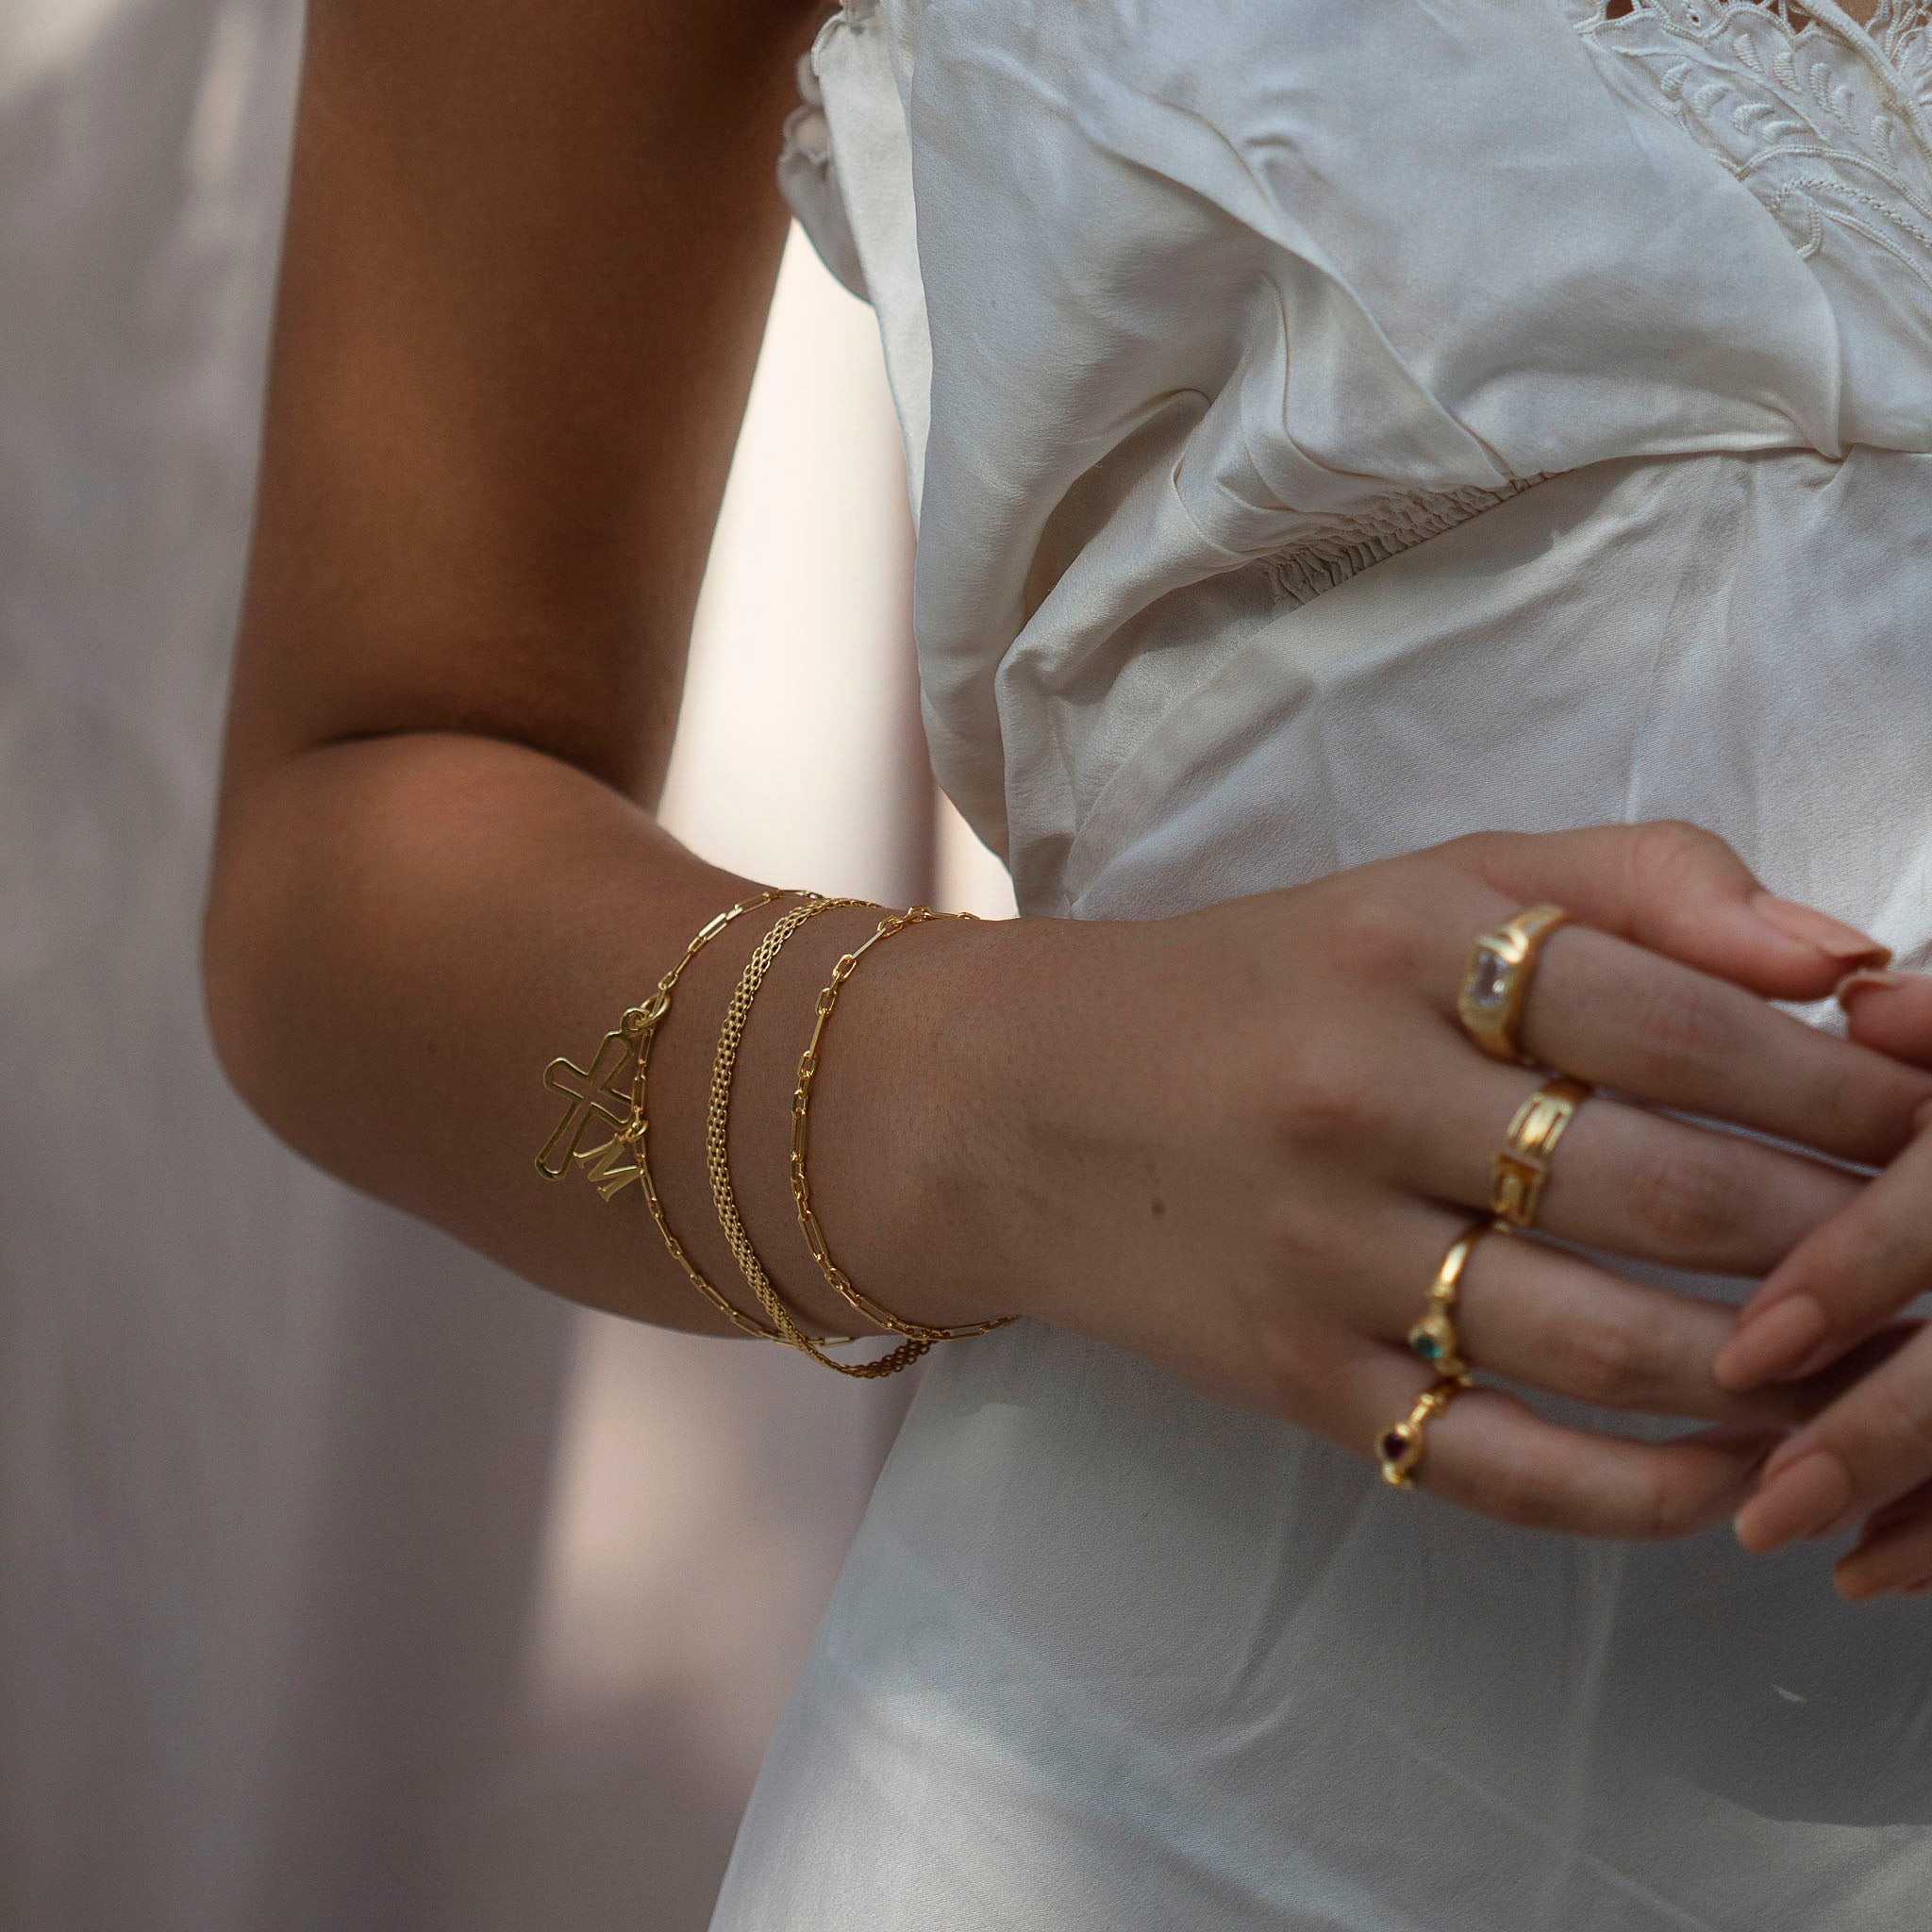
x: 717, y: 1159
x: 835, y: 1277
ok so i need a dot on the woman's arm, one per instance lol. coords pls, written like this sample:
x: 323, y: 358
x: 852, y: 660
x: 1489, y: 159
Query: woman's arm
x: 529, y: 257
x: 529, y: 252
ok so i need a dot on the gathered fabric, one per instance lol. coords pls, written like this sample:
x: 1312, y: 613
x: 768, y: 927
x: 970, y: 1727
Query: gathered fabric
x: 1332, y: 429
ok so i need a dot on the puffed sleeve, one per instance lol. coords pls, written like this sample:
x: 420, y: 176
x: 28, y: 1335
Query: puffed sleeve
x: 809, y: 180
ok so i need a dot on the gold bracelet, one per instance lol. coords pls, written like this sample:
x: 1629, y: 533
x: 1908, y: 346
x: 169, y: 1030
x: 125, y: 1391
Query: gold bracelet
x: 642, y: 1024
x: 623, y: 1157
x: 801, y: 1136
x: 717, y: 1161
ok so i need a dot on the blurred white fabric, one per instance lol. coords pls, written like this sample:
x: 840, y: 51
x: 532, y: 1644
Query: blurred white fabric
x: 301, y: 1622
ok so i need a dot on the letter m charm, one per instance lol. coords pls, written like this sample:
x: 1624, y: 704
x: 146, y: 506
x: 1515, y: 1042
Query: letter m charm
x: 603, y: 1169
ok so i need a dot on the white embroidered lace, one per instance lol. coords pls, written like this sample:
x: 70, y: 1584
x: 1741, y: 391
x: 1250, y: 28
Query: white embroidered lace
x: 1825, y: 122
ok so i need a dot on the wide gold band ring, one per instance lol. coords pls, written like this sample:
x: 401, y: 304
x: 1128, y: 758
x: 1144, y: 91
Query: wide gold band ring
x: 1495, y: 984
x: 1400, y: 1448
x: 1434, y: 1341
x: 1522, y: 1162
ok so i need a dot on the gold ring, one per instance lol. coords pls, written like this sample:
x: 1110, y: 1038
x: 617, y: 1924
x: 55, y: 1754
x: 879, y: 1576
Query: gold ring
x: 1400, y: 1448
x: 1496, y: 982
x: 1433, y: 1340
x: 1522, y: 1162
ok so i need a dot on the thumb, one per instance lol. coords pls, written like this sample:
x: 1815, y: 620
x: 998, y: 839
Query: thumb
x: 1679, y: 890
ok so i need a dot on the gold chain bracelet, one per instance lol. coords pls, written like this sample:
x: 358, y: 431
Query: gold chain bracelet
x: 717, y: 1161
x: 835, y: 1277
x: 593, y: 1094
x: 647, y: 1020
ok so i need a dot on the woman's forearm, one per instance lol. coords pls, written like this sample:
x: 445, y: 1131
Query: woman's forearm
x: 525, y: 271
x: 405, y: 930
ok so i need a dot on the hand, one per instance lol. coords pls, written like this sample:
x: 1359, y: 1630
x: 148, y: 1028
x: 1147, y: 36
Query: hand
x: 1832, y: 1302
x: 1240, y: 1141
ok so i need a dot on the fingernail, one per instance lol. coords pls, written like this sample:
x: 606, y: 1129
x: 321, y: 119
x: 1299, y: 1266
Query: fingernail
x: 1852, y: 1585
x: 1865, y: 979
x: 1799, y: 1501
x: 1777, y: 1339
x: 1812, y: 927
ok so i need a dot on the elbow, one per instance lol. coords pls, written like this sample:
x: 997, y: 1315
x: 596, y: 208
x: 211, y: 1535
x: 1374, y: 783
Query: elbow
x: 260, y: 970
x: 237, y: 998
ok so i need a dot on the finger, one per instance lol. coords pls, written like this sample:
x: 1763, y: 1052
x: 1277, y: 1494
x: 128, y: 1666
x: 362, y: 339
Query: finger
x: 1678, y: 891
x: 1491, y: 1454
x: 1891, y: 1013
x: 1623, y: 1179
x: 1842, y: 1282
x: 1539, y: 1315
x: 1871, y: 1446
x: 1894, y: 1553
x: 1606, y: 1010
x: 1609, y: 1013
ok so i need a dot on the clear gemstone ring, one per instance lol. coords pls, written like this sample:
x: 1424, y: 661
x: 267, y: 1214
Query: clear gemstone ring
x: 1496, y: 982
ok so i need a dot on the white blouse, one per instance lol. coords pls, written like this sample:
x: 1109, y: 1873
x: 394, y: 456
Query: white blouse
x: 1334, y: 427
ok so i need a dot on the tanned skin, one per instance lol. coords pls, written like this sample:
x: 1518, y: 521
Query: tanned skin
x: 528, y: 258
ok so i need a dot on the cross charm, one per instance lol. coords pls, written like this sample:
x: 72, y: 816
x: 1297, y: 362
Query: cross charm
x: 593, y: 1093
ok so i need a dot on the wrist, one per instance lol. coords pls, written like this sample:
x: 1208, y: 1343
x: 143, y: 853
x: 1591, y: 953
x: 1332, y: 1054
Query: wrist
x: 916, y: 1115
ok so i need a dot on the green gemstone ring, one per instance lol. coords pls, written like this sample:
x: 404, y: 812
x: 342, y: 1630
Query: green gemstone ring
x: 1433, y: 1340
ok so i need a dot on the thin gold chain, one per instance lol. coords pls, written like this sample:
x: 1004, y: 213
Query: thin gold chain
x: 717, y: 1161
x: 801, y: 1139
x: 640, y: 1025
